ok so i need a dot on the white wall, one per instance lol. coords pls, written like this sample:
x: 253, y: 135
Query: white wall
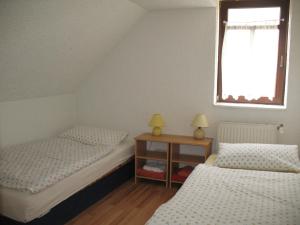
x: 26, y: 120
x: 48, y: 48
x: 166, y: 64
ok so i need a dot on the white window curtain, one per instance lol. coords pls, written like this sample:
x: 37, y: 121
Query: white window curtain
x: 249, y: 61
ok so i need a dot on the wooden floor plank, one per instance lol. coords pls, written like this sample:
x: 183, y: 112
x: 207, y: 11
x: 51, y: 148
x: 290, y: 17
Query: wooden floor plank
x: 128, y: 204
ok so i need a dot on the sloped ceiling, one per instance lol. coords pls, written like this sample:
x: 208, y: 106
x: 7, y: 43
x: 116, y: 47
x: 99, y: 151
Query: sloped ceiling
x: 174, y: 4
x: 48, y: 47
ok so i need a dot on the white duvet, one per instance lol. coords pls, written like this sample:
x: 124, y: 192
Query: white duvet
x: 34, y: 166
x: 218, y: 196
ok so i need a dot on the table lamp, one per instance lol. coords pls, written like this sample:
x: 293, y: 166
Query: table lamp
x: 199, y: 121
x: 157, y: 123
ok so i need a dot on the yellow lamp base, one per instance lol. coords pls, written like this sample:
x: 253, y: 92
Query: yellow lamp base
x: 199, y: 133
x: 156, y: 131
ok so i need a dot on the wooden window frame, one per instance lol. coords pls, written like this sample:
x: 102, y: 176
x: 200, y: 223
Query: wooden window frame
x: 282, y: 48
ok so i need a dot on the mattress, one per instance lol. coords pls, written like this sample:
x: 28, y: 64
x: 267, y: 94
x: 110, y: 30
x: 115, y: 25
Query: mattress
x: 213, y: 195
x: 25, y: 206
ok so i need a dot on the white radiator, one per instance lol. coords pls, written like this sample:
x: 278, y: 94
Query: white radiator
x: 230, y: 132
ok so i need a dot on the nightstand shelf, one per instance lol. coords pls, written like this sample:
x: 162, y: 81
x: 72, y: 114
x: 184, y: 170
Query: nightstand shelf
x: 179, y: 159
x: 153, y: 155
x: 188, y: 159
x: 142, y: 177
x: 171, y: 156
x: 143, y: 153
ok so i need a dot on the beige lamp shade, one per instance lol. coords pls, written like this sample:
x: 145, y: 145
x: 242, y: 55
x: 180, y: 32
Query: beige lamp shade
x: 200, y: 120
x: 156, y: 121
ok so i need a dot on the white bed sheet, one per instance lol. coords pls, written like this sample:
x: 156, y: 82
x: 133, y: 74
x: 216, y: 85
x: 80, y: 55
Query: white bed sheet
x: 213, y: 195
x: 24, y: 206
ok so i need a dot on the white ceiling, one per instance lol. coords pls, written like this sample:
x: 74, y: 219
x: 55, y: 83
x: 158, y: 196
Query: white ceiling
x: 174, y: 4
x: 49, y: 47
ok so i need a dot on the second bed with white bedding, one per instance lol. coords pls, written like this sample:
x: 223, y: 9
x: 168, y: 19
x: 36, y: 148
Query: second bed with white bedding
x: 213, y: 195
x: 25, y: 206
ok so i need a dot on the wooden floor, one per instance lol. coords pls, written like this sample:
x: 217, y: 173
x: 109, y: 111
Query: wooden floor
x: 129, y: 204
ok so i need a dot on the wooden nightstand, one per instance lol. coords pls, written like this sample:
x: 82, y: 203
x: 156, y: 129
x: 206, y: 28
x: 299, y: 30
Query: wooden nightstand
x: 170, y: 156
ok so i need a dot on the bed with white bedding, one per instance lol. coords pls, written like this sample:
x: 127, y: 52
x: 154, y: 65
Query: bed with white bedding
x: 35, y: 177
x: 34, y: 166
x: 229, y: 196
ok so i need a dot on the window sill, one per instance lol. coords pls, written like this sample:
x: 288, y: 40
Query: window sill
x: 250, y: 106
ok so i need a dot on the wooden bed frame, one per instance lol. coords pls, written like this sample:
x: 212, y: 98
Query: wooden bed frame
x: 81, y: 200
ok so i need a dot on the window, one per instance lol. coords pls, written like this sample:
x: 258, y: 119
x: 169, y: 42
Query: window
x: 252, y: 51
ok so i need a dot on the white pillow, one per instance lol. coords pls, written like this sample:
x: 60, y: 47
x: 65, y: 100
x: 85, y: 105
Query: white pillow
x: 268, y: 157
x: 95, y: 136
